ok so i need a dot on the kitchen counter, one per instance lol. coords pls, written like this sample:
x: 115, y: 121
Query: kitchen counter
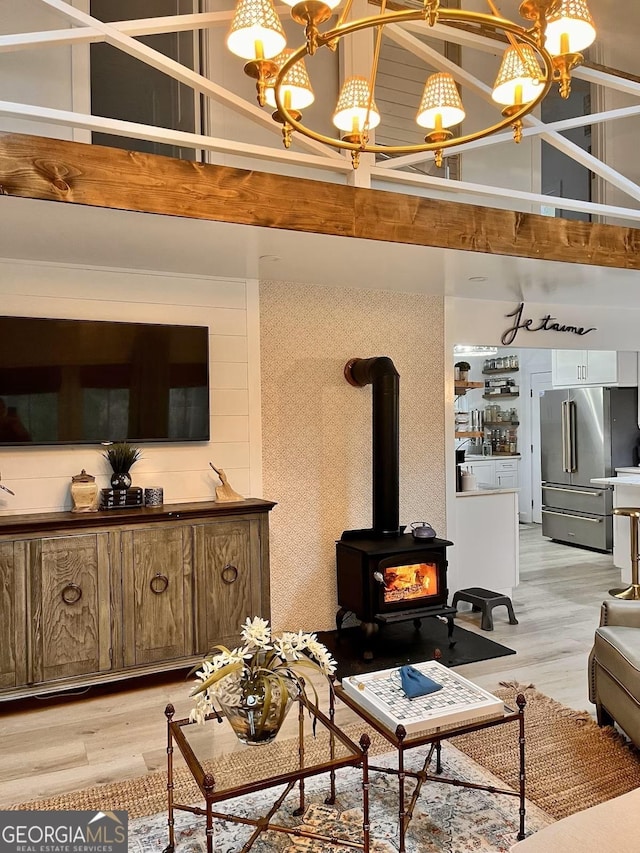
x: 625, y: 493
x: 472, y: 457
x: 621, y: 480
x: 491, y: 490
x: 486, y: 540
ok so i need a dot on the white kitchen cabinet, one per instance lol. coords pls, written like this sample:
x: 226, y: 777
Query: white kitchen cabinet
x: 507, y: 480
x: 484, y: 472
x: 499, y: 473
x: 571, y: 368
x: 506, y: 476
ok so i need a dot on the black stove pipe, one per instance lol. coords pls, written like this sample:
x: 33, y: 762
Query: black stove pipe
x: 381, y: 374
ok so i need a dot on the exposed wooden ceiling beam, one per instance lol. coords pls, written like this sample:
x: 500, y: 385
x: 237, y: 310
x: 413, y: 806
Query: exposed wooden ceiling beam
x: 57, y: 170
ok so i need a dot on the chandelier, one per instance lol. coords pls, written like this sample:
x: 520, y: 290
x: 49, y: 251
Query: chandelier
x: 546, y: 50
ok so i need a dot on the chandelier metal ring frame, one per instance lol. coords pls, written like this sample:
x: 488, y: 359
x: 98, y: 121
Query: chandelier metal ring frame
x: 444, y: 16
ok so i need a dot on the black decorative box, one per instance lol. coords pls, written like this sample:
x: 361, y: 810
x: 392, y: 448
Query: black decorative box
x: 119, y: 498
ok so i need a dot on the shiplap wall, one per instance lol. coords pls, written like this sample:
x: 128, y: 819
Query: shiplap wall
x: 41, y: 476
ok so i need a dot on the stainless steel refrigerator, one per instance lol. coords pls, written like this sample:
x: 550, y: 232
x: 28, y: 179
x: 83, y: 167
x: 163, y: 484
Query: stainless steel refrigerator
x: 584, y: 433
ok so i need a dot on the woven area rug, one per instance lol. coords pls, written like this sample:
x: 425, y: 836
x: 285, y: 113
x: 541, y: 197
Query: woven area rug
x: 571, y: 764
x: 446, y: 819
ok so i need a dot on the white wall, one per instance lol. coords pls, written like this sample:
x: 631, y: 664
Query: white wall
x: 41, y: 476
x: 483, y: 321
x: 56, y: 77
x: 616, y: 141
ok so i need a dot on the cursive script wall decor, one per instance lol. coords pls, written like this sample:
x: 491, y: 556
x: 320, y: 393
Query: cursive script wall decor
x: 546, y: 324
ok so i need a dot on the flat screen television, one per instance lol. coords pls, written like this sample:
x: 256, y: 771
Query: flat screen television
x: 86, y: 381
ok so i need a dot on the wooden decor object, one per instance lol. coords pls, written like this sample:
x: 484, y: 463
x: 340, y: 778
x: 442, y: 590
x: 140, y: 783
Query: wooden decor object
x: 72, y: 172
x: 225, y: 492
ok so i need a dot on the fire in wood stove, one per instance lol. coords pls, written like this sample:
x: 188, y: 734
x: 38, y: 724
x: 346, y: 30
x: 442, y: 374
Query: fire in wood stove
x: 405, y: 583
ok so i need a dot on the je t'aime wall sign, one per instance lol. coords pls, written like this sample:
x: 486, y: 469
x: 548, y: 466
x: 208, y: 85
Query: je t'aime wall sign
x: 544, y: 324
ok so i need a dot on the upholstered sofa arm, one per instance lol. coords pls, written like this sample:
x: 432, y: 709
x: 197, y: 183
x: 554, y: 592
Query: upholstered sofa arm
x: 619, y: 612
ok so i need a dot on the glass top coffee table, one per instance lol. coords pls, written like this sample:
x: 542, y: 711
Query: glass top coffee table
x: 459, y: 708
x: 319, y: 747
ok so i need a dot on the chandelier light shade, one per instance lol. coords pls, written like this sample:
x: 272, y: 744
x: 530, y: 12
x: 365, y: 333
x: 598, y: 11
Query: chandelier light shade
x: 295, y: 87
x: 570, y: 29
x: 543, y: 48
x: 520, y: 78
x: 356, y: 111
x: 256, y: 32
x: 440, y: 105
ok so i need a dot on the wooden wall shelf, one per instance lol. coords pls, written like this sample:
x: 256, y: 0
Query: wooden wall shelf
x: 468, y: 435
x: 499, y: 396
x: 504, y: 424
x: 462, y: 387
x: 495, y: 370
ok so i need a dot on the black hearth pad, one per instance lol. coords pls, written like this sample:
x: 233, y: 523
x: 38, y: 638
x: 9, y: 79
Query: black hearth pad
x: 400, y: 644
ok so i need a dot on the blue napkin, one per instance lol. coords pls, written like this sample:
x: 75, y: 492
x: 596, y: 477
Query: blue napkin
x: 415, y: 684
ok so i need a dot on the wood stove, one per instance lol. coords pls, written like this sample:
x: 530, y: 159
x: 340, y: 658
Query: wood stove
x: 385, y: 575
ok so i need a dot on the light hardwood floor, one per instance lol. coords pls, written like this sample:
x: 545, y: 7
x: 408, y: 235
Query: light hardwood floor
x: 99, y: 738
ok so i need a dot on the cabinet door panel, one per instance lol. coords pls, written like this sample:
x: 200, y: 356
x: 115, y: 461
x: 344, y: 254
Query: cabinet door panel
x: 484, y: 472
x: 227, y: 565
x: 568, y: 368
x: 156, y: 595
x: 70, y: 606
x: 12, y: 622
x: 602, y: 367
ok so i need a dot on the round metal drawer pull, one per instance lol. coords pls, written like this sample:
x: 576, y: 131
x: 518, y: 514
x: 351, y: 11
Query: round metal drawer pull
x: 229, y: 574
x: 159, y: 583
x: 72, y: 593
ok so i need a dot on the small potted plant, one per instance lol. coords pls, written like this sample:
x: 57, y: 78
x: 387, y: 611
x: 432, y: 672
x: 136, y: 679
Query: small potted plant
x: 256, y: 683
x: 121, y: 456
x: 462, y: 370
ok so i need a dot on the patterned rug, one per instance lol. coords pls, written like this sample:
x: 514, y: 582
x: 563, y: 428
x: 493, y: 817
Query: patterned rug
x: 571, y: 764
x: 447, y: 819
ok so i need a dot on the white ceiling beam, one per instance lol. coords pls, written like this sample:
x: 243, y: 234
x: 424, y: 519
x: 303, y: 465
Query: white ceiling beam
x: 185, y: 75
x: 448, y: 185
x: 134, y: 130
x: 455, y: 35
x: 610, y: 81
x: 507, y: 136
x: 140, y: 27
x: 417, y: 47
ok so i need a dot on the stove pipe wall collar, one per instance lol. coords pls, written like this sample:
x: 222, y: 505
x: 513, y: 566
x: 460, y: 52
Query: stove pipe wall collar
x: 381, y: 374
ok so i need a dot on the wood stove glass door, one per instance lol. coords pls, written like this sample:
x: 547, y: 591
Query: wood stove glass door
x: 404, y: 585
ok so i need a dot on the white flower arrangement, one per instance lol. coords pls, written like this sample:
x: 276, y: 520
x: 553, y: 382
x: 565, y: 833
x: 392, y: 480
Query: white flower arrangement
x: 262, y: 657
